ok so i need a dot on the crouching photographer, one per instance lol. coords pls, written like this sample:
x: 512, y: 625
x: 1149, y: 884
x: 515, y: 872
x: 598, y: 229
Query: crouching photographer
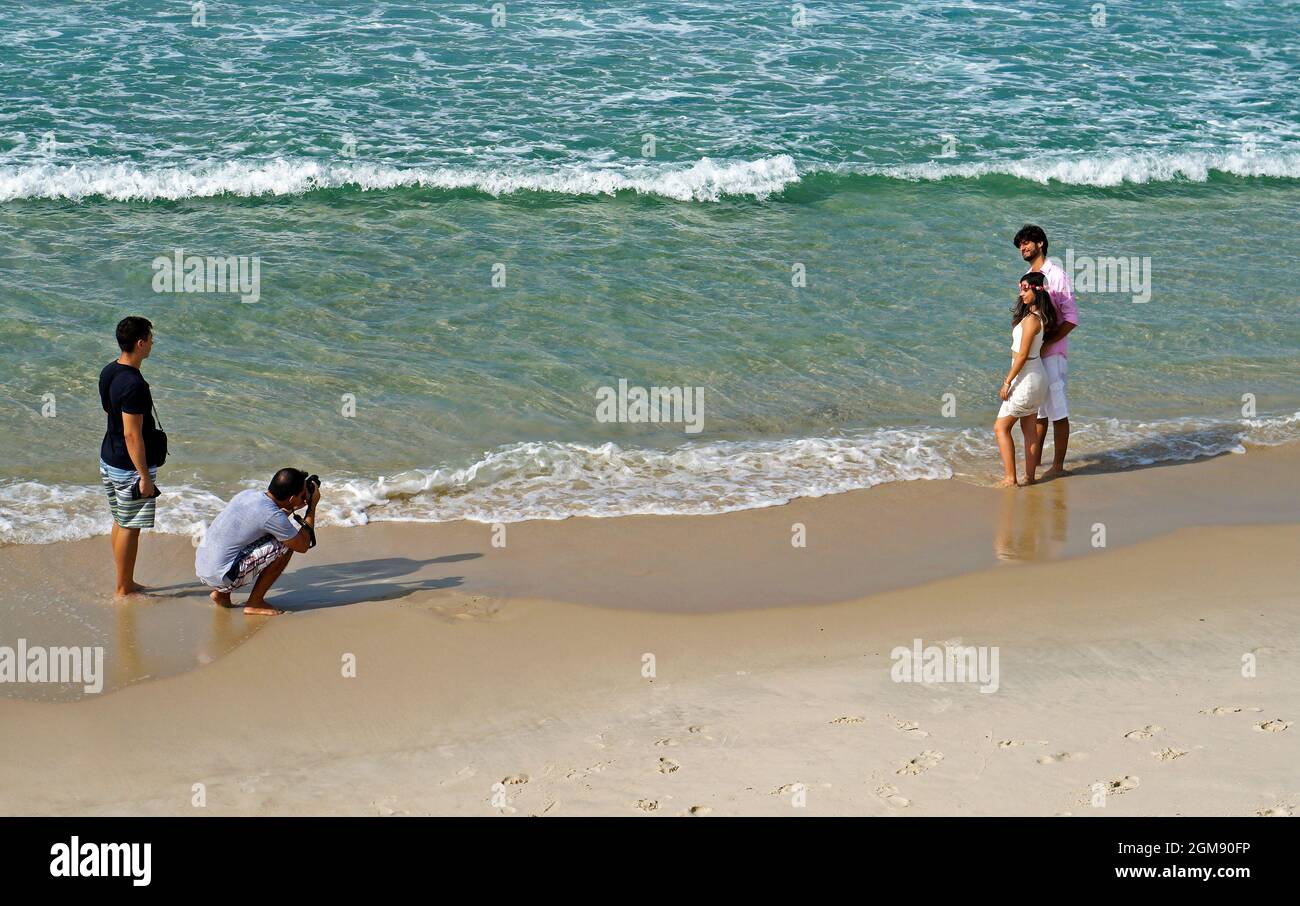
x: 252, y: 539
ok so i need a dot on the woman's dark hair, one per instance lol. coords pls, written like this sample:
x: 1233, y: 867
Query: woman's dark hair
x: 1042, y: 299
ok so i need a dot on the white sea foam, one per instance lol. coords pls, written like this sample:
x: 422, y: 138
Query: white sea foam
x: 35, y: 513
x: 1110, y: 169
x: 705, y: 180
x: 560, y: 480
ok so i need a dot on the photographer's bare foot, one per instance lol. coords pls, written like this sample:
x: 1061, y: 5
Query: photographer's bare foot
x: 221, y: 599
x: 261, y: 610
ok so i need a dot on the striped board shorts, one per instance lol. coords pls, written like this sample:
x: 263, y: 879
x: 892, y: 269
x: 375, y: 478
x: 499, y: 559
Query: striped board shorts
x: 252, y: 559
x: 126, y: 512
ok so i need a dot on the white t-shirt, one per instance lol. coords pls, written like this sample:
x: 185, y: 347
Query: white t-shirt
x: 250, y: 516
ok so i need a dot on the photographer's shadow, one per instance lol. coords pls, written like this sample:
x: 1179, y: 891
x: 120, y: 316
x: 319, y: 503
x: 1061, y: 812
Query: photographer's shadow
x: 341, y: 584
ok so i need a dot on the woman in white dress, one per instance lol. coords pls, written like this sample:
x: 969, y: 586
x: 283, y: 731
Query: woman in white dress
x: 1026, y: 384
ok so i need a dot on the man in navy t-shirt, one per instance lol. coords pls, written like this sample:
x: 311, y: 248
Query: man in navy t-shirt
x: 132, y: 448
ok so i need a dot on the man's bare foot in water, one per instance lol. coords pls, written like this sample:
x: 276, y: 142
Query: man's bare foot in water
x: 260, y: 609
x: 221, y: 599
x: 1007, y: 483
x: 1053, y: 472
x: 135, y: 588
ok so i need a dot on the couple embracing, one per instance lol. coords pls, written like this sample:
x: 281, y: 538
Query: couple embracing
x: 1034, y: 390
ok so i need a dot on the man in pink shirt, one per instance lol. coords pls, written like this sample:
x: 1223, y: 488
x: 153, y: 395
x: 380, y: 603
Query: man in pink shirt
x: 1032, y: 243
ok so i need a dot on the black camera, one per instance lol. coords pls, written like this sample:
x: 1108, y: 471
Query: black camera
x: 310, y: 486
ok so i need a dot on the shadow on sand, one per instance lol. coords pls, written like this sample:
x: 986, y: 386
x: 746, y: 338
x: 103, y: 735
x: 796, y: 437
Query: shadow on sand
x: 339, y: 584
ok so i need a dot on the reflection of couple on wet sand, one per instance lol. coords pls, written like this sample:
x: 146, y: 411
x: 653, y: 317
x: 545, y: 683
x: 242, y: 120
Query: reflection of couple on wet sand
x: 1033, y: 527
x: 1034, y: 390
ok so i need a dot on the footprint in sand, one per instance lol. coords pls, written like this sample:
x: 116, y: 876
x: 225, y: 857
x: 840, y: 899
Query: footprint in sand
x: 787, y: 789
x: 699, y: 811
x: 1110, y: 788
x: 910, y: 727
x: 1227, y: 709
x: 1122, y: 785
x: 668, y: 766
x: 579, y: 773
x: 1061, y: 756
x: 386, y: 806
x: 647, y: 805
x: 889, y: 793
x: 1272, y: 726
x: 463, y: 774
x: 921, y: 763
x: 1013, y: 743
x: 848, y: 720
x: 515, y: 779
x: 1145, y: 733
x: 1277, y: 811
x: 697, y: 731
x: 1168, y: 753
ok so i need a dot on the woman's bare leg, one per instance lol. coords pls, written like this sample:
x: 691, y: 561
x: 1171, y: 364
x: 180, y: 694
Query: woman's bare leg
x: 1006, y: 447
x: 1033, y: 447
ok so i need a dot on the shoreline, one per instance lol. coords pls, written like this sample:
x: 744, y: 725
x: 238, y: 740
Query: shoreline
x: 515, y: 681
x: 857, y: 544
x: 552, y: 480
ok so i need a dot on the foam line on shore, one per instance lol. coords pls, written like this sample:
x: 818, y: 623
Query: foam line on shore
x: 552, y: 480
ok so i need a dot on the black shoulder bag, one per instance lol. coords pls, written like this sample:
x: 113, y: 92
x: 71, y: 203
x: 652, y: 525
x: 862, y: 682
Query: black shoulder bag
x: 160, y: 438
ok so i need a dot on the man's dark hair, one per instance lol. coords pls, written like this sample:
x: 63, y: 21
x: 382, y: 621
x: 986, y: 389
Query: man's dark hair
x: 286, y: 483
x: 1034, y: 233
x: 131, y: 331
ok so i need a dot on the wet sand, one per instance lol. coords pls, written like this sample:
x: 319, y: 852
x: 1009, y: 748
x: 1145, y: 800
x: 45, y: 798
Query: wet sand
x: 769, y: 677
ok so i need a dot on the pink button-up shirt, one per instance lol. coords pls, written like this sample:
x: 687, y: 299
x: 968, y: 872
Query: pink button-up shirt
x: 1062, y: 293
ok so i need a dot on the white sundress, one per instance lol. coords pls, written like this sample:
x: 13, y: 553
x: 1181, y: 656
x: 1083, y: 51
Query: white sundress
x: 1029, y: 388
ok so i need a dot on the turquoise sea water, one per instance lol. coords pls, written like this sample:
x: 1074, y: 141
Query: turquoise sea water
x: 645, y: 179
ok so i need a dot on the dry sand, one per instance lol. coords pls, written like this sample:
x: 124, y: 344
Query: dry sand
x: 515, y: 681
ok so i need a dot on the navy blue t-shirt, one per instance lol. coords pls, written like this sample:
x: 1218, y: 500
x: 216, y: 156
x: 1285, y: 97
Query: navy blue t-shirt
x: 124, y: 389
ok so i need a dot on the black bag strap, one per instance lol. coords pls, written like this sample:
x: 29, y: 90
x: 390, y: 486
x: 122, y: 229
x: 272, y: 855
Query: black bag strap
x: 311, y: 532
x: 157, y: 422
